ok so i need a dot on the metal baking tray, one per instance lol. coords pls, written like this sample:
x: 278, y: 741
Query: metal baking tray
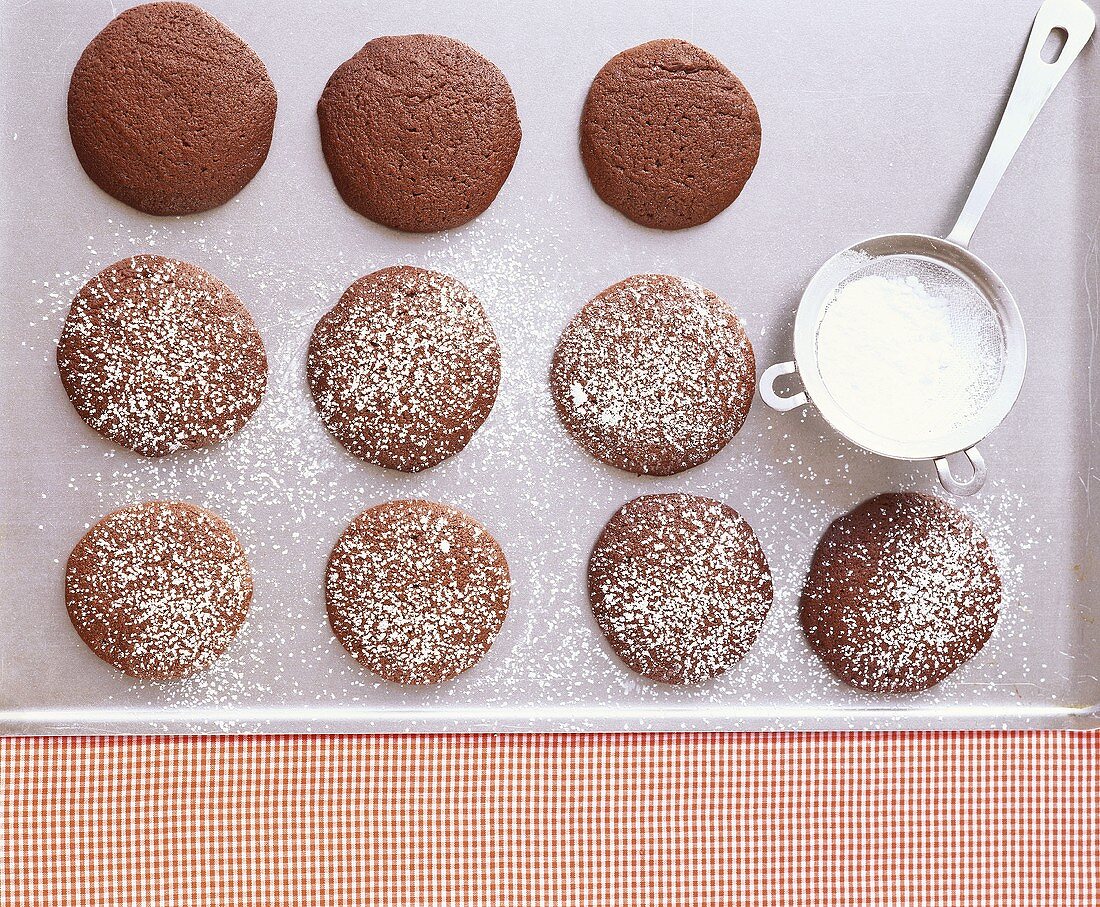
x: 875, y: 118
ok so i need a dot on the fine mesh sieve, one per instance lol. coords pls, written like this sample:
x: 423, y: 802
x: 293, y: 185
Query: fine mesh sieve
x: 909, y: 348
x: 948, y: 272
x: 885, y: 390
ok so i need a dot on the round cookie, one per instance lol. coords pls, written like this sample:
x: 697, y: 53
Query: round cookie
x: 159, y: 589
x: 169, y: 111
x: 679, y: 585
x: 159, y: 356
x: 655, y: 375
x: 416, y: 591
x: 902, y: 590
x: 404, y: 368
x: 419, y: 132
x: 669, y: 136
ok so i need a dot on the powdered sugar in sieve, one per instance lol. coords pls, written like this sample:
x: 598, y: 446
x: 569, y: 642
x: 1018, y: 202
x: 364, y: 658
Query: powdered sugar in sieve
x: 909, y: 348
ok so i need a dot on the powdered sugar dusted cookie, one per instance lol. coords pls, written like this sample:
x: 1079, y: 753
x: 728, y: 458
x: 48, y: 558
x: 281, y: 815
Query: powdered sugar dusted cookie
x: 404, y: 368
x: 679, y: 585
x: 655, y: 375
x: 417, y: 591
x: 159, y: 356
x: 159, y: 590
x: 902, y: 590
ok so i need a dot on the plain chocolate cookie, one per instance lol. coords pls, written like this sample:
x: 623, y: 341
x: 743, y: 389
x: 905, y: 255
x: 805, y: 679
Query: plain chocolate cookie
x: 902, y: 590
x: 159, y: 356
x: 404, y: 368
x: 419, y: 131
x: 655, y: 375
x: 416, y: 591
x: 159, y: 590
x: 669, y: 136
x: 169, y: 111
x: 679, y: 585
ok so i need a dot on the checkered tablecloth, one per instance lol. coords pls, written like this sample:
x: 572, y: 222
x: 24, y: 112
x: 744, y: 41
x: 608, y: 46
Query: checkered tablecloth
x: 726, y: 819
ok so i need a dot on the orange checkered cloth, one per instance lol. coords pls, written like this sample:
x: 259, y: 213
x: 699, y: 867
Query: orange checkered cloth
x: 924, y: 819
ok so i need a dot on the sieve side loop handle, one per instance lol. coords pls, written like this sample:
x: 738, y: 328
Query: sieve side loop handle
x: 1035, y: 82
x: 768, y: 392
x: 966, y: 487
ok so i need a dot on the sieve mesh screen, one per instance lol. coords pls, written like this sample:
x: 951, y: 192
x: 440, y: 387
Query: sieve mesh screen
x: 909, y: 348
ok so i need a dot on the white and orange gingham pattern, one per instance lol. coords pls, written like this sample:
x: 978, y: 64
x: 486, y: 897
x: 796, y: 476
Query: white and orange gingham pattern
x: 930, y: 819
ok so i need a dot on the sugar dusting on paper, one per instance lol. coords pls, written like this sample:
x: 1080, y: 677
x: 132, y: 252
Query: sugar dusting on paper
x: 289, y: 490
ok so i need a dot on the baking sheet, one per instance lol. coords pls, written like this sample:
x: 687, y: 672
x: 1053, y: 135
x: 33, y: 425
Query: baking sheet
x: 875, y: 117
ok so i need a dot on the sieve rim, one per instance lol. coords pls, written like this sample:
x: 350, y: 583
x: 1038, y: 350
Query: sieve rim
x: 819, y: 291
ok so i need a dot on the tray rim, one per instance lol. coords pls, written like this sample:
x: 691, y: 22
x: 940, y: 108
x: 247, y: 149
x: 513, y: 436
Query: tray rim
x: 707, y: 718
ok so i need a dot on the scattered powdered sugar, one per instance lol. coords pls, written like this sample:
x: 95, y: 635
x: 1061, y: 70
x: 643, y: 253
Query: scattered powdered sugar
x: 417, y: 591
x: 680, y: 586
x: 160, y: 356
x: 654, y: 375
x: 909, y: 356
x: 405, y: 368
x: 158, y: 590
x: 288, y: 490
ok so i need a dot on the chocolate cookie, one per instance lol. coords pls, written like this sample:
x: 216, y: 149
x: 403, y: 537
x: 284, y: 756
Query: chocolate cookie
x: 419, y: 131
x: 404, y: 368
x: 169, y: 111
x: 902, y: 590
x: 669, y: 136
x: 654, y: 375
x: 679, y: 585
x: 160, y: 356
x: 416, y: 591
x: 159, y: 590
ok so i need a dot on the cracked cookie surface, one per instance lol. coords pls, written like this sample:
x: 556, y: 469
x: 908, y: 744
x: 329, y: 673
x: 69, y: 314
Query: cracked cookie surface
x: 654, y: 375
x: 158, y: 589
x: 902, y: 591
x: 404, y: 368
x: 160, y: 356
x: 417, y: 591
x: 669, y: 136
x: 419, y: 132
x: 169, y: 111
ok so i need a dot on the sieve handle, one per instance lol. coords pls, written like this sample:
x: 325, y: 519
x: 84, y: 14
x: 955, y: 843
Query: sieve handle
x: 1034, y: 83
x: 768, y: 393
x: 968, y: 486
